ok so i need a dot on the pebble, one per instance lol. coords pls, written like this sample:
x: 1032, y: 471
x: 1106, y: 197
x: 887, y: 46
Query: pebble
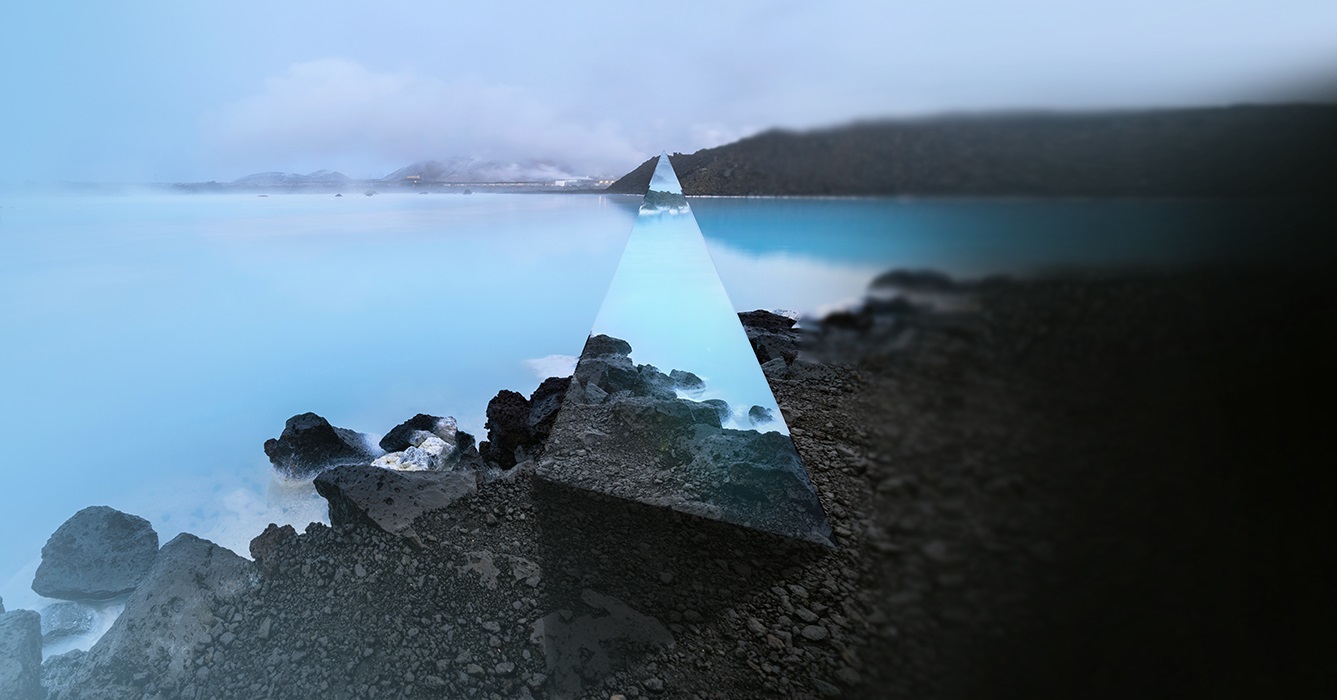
x: 815, y: 633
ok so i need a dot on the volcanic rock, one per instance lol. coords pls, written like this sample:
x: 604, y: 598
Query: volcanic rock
x: 168, y: 615
x: 601, y: 344
x: 310, y: 445
x: 544, y: 404
x: 20, y: 655
x: 389, y: 500
x: 98, y: 553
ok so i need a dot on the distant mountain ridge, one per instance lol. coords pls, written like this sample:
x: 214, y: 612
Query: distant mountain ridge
x: 474, y: 170
x: 1229, y: 151
x: 280, y: 179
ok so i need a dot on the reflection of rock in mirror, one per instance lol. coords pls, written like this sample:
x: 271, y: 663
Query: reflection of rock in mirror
x: 693, y: 426
x: 663, y: 201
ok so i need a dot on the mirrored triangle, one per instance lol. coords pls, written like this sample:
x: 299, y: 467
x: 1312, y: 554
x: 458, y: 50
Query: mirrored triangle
x: 668, y: 406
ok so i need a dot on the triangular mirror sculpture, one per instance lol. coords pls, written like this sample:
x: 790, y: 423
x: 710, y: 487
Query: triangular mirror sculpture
x: 668, y: 406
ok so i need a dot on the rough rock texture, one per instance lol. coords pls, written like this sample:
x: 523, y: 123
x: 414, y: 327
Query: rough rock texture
x: 772, y: 336
x: 544, y: 404
x: 310, y: 445
x: 262, y: 546
x: 600, y: 344
x: 517, y: 427
x: 174, y: 610
x: 67, y: 619
x: 98, y: 553
x: 507, y: 428
x: 60, y: 671
x: 20, y: 655
x: 387, y: 499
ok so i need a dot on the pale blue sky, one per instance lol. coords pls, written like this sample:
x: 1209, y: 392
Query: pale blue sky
x: 164, y: 91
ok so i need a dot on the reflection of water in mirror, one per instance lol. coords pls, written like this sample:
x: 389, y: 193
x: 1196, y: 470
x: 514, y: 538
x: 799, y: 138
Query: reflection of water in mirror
x: 667, y: 301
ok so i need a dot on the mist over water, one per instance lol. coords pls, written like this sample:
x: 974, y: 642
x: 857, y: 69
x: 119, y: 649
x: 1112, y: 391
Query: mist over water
x: 154, y: 341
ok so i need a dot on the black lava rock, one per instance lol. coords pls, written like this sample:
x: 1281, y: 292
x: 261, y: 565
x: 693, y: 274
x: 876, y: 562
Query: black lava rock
x: 310, y: 445
x: 597, y: 345
x: 544, y: 404
x: 397, y: 440
x: 98, y: 553
x: 765, y: 321
x: 507, y: 427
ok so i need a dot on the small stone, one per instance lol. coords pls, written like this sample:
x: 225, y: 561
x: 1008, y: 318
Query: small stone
x: 666, y: 578
x: 537, y: 680
x: 815, y: 633
x: 826, y: 689
x: 848, y: 676
x: 358, y: 571
x: 473, y: 670
x: 805, y: 614
x: 263, y: 633
x: 654, y: 685
x: 505, y: 668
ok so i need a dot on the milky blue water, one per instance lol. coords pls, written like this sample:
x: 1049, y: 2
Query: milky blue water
x: 153, y: 341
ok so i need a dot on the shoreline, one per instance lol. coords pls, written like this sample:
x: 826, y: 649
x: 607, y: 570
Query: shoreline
x: 1001, y: 480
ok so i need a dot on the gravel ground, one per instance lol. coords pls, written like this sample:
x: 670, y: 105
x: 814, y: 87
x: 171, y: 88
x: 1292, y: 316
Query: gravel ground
x: 1095, y: 486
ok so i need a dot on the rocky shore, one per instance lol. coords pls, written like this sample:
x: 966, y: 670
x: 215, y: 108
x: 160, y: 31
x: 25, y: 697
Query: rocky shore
x: 1083, y: 486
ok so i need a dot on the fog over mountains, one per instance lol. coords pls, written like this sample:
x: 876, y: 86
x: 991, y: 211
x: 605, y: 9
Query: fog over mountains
x: 456, y: 170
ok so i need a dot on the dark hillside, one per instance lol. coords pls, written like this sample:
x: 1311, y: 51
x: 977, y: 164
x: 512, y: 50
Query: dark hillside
x: 1212, y: 152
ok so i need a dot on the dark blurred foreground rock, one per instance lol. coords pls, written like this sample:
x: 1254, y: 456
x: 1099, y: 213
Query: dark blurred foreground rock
x: 98, y: 553
x: 20, y: 655
x: 310, y: 445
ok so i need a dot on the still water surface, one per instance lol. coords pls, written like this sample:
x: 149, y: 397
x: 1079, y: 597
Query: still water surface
x: 153, y: 341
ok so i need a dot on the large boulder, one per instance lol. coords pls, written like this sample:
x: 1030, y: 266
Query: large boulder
x: 98, y: 553
x: 544, y: 404
x: 165, y: 619
x: 310, y: 445
x: 390, y: 500
x: 20, y: 655
x: 507, y: 427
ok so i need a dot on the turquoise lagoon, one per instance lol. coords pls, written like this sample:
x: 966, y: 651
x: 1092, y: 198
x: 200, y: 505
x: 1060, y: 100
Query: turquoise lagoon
x: 153, y: 341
